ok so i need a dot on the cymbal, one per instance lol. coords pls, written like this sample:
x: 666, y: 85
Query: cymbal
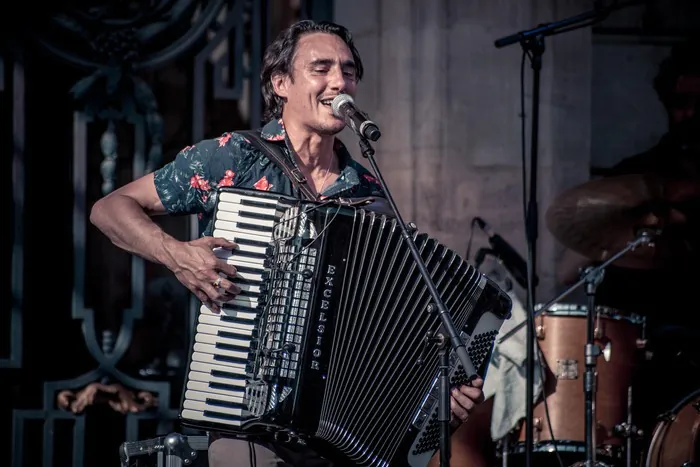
x: 599, y: 218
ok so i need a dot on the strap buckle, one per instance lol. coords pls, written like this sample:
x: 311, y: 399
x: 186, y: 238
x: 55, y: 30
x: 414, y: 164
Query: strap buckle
x: 298, y: 176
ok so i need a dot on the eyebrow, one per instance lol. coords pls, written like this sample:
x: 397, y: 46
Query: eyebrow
x: 329, y: 62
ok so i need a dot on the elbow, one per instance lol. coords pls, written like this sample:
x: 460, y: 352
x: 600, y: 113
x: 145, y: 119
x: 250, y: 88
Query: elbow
x: 97, y: 213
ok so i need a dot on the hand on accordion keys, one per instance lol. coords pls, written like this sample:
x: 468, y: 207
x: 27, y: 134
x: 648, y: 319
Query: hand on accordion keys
x: 197, y: 267
x: 463, y: 399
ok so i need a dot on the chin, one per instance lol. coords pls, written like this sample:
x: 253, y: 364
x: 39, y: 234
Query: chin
x: 330, y: 129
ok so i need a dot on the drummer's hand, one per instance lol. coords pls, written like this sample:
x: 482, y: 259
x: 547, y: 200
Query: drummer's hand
x: 463, y: 400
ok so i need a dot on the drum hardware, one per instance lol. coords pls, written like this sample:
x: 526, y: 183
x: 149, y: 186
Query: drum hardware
x: 559, y: 430
x: 676, y: 438
x: 628, y: 430
x: 591, y: 277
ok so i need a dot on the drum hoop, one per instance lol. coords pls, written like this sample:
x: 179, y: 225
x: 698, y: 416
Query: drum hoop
x: 576, y: 310
x: 566, y: 447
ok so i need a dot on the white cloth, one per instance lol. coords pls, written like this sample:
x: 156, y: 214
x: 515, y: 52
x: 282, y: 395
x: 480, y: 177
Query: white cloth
x: 506, y: 378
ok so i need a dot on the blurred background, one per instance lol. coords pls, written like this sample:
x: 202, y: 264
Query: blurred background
x: 96, y: 93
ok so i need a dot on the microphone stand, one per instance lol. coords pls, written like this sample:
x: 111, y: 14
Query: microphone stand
x: 532, y: 42
x: 450, y: 337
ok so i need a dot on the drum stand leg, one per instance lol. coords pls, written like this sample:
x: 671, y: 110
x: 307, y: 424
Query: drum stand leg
x: 592, y: 351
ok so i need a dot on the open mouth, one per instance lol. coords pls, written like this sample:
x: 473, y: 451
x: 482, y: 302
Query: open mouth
x: 326, y: 102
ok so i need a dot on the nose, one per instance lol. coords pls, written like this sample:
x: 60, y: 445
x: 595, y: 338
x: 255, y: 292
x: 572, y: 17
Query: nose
x: 337, y: 80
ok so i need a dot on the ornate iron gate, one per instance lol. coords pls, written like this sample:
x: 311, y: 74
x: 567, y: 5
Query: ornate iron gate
x: 121, y: 60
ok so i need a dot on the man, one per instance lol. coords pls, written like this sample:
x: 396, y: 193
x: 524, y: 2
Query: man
x: 303, y: 70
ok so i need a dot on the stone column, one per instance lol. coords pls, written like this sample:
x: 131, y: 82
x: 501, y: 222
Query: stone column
x: 448, y: 104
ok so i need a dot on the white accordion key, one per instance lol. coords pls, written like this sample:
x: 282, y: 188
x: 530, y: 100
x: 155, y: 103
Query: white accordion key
x: 207, y: 377
x: 214, y: 350
x: 231, y: 312
x: 196, y: 415
x: 205, y: 388
x: 203, y: 396
x: 238, y: 368
x: 231, y: 344
x: 215, y: 320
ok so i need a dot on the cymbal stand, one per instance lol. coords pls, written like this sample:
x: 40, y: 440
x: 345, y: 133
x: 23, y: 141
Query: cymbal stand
x: 593, y: 277
x: 644, y: 237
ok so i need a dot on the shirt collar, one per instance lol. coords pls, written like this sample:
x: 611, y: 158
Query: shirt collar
x: 273, y: 130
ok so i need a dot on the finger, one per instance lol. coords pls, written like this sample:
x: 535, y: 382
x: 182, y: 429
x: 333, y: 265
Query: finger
x: 206, y: 301
x: 229, y: 289
x: 472, y: 393
x: 477, y: 382
x: 458, y: 411
x: 465, y: 401
x: 215, y: 294
x: 228, y: 269
x: 220, y: 242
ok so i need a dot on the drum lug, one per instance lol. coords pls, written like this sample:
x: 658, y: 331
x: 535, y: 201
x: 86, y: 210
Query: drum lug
x: 626, y: 430
x: 598, y: 333
x: 642, y: 344
x: 539, y: 332
x: 537, y: 429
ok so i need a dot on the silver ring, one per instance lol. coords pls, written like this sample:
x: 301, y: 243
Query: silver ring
x: 217, y: 282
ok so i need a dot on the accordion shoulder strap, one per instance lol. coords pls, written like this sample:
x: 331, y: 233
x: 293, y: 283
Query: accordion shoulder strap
x: 274, y: 153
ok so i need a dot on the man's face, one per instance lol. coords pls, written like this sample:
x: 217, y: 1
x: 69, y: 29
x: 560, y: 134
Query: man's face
x: 322, y: 68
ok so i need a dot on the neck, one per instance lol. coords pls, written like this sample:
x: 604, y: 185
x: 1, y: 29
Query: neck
x: 314, y: 151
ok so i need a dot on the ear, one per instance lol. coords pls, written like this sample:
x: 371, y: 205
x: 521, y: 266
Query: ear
x: 280, y: 83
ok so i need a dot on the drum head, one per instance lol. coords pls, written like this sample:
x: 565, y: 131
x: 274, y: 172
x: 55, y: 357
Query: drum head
x: 577, y: 310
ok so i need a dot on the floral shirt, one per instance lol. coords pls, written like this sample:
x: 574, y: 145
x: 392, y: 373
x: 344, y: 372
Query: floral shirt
x: 188, y: 184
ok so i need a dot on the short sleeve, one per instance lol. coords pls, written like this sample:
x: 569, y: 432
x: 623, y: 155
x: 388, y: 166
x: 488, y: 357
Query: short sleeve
x: 187, y: 184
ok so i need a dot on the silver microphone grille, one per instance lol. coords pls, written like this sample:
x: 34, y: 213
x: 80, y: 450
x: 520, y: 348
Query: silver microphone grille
x: 338, y: 102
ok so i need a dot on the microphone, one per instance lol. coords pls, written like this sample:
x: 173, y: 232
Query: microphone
x: 344, y: 107
x: 511, y: 259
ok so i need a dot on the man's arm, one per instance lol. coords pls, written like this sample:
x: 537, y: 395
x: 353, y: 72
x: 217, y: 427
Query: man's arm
x: 124, y: 217
x: 180, y: 187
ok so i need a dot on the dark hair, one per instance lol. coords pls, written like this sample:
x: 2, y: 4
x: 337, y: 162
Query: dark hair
x: 684, y: 59
x: 279, y: 57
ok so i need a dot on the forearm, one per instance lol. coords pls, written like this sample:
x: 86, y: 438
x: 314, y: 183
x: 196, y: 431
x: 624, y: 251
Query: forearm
x: 130, y: 228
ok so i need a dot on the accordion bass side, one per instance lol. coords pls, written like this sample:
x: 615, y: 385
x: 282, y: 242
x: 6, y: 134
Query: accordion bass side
x: 326, y: 344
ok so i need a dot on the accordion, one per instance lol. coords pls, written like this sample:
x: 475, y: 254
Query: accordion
x: 326, y: 343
